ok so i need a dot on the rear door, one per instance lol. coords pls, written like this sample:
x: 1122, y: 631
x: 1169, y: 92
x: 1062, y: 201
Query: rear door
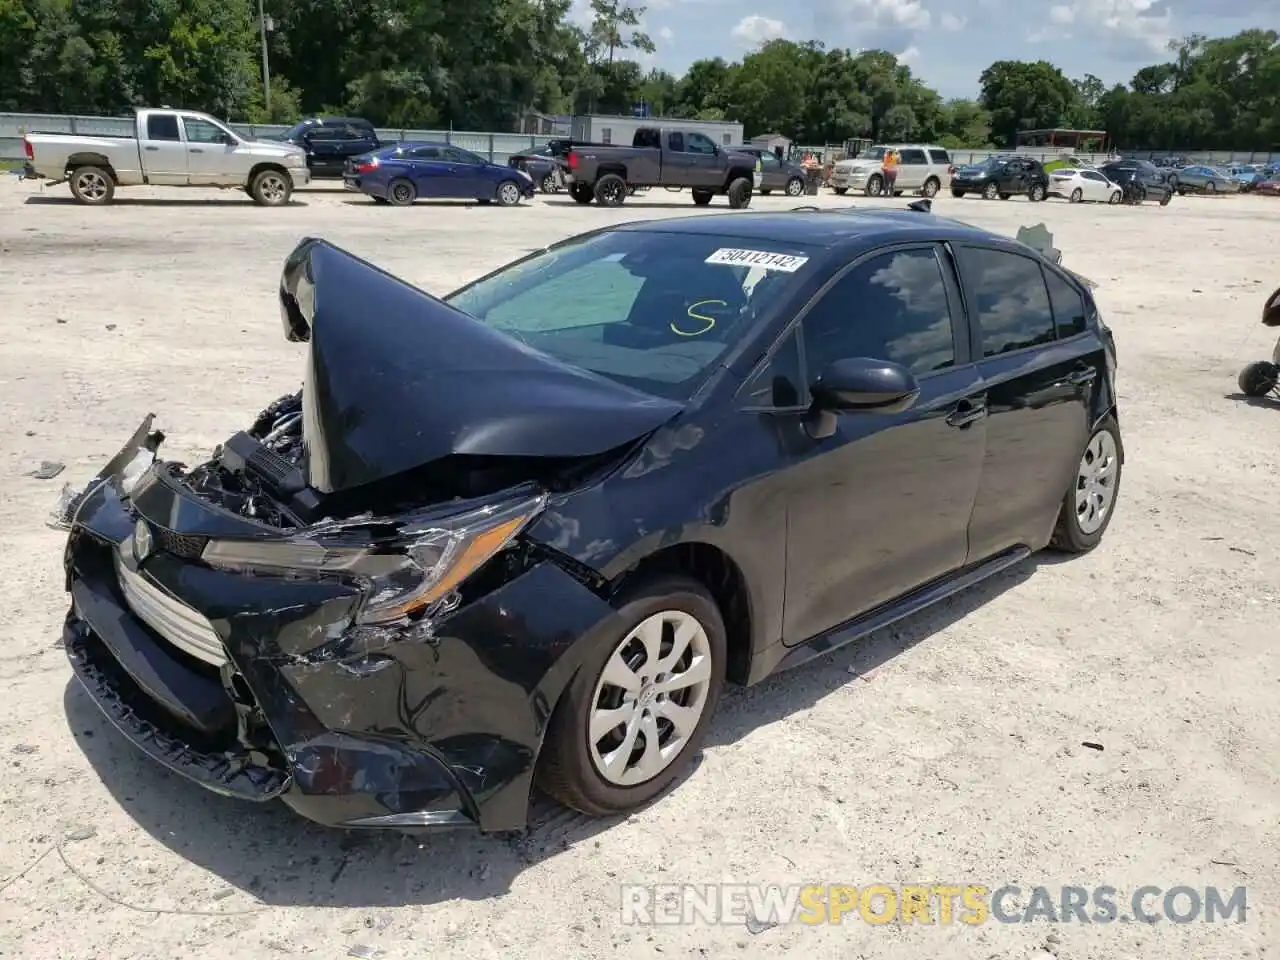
x: 913, y: 168
x: 940, y: 165
x: 431, y: 172
x: 882, y: 505
x: 1040, y: 366
x: 164, y: 152
x: 326, y: 144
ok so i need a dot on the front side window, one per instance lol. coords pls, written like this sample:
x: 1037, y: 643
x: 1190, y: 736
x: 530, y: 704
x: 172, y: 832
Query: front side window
x: 456, y: 155
x: 423, y: 153
x: 202, y: 131
x: 1011, y: 301
x: 653, y: 310
x: 890, y: 307
x: 697, y: 143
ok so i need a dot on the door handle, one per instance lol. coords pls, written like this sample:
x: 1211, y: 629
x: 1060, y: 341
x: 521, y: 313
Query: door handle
x: 196, y: 150
x: 1078, y: 377
x: 967, y: 412
x: 152, y: 148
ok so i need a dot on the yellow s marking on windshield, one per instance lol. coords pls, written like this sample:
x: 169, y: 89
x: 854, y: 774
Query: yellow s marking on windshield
x: 709, y: 322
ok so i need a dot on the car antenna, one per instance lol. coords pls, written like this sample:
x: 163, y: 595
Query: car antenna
x: 924, y: 205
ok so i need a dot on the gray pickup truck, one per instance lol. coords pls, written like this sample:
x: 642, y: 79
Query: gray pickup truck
x: 170, y: 148
x: 662, y: 157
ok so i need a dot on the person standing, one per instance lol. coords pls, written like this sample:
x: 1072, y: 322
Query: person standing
x: 890, y: 169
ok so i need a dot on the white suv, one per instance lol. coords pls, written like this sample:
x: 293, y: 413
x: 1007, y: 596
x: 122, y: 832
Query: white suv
x: 922, y: 167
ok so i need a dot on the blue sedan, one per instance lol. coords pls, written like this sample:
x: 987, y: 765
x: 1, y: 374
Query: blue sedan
x: 404, y: 173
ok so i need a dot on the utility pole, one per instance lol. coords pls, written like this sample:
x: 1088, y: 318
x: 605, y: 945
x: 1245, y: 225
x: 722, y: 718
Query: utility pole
x: 265, y: 26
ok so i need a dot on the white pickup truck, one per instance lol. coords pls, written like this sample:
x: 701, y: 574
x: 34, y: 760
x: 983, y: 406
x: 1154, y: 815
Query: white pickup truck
x: 170, y: 148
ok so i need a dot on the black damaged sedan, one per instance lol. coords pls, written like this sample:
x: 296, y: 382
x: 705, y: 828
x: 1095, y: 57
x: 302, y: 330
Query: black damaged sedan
x: 525, y: 534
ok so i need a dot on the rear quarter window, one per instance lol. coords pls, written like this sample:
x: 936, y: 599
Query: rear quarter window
x: 939, y: 156
x: 1070, y: 311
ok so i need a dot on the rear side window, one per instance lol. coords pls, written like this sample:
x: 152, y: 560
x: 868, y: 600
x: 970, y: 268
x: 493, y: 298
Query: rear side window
x: 891, y: 307
x: 939, y: 156
x: 911, y: 156
x: 162, y: 126
x: 675, y: 142
x: 1011, y: 301
x: 1069, y: 310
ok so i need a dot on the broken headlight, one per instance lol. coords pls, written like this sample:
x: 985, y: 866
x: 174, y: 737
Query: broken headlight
x: 422, y: 564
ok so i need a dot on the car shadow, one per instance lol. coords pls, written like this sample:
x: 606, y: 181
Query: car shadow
x: 631, y: 202
x: 277, y: 858
x: 157, y: 202
x: 369, y: 202
x: 1270, y: 403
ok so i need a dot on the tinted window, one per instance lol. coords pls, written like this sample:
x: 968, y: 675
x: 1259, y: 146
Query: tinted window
x: 1011, y: 302
x: 202, y: 131
x: 1069, y: 311
x: 162, y: 126
x: 769, y: 161
x: 1090, y: 175
x: 891, y: 307
x: 454, y: 155
x: 939, y: 156
x: 697, y: 143
x: 646, y: 138
x: 424, y: 153
x: 911, y: 156
x: 780, y: 383
x: 650, y: 309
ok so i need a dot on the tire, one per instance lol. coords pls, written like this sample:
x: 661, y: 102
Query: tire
x: 1165, y: 198
x: 795, y: 187
x: 1089, y: 504
x: 611, y: 190
x: 92, y: 186
x: 1210, y: 187
x: 739, y: 194
x: 875, y: 186
x: 548, y: 184
x: 957, y: 193
x: 1258, y: 379
x: 380, y: 200
x: 702, y: 197
x: 581, y: 193
x: 990, y: 192
x: 271, y: 188
x: 401, y: 192
x: 1036, y: 193
x: 1076, y: 195
x: 840, y: 191
x: 1005, y: 196
x: 1114, y: 198
x: 931, y: 187
x: 763, y: 192
x: 570, y: 768
x: 508, y: 193
x: 1182, y: 191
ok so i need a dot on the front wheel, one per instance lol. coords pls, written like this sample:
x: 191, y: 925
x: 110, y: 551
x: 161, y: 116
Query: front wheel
x: 740, y: 194
x: 795, y: 187
x: 957, y: 193
x: 1211, y: 187
x: 1036, y: 193
x: 1087, y: 507
x: 702, y: 197
x: 1165, y: 198
x: 875, y: 186
x: 990, y: 191
x: 1114, y: 198
x: 92, y: 185
x: 840, y: 191
x: 271, y: 188
x: 639, y: 706
x: 1076, y: 195
x: 549, y: 184
x: 508, y: 193
x: 1258, y: 379
x: 931, y: 187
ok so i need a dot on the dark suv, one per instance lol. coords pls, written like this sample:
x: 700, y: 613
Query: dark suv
x: 1152, y: 182
x: 1002, y: 177
x: 331, y: 141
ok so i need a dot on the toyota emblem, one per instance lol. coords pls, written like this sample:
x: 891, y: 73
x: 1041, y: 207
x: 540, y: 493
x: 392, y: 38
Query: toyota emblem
x: 141, y: 541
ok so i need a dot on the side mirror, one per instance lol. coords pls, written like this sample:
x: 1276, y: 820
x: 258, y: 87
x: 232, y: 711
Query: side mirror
x: 859, y: 384
x: 1271, y: 312
x: 228, y: 140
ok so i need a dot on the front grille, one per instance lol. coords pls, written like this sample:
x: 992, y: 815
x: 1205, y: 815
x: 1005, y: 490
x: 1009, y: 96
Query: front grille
x: 172, y: 619
x: 180, y: 544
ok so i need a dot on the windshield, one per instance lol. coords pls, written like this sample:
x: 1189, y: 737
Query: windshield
x: 873, y: 153
x: 651, y: 310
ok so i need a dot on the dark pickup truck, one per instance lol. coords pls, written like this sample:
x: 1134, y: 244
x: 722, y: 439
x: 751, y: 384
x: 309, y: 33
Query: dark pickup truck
x: 662, y: 157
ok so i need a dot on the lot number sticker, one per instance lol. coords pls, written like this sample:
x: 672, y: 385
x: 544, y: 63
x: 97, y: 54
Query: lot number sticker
x: 784, y: 262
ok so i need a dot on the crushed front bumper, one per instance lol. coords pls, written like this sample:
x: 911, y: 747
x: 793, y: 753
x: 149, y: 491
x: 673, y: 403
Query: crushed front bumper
x: 428, y: 725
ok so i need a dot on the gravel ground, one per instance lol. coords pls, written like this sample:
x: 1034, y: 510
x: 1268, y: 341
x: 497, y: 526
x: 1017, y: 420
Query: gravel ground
x: 948, y: 749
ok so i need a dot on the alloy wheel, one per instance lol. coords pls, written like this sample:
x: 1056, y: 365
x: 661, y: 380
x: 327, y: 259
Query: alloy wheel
x: 1096, y: 482
x: 272, y: 188
x: 402, y: 193
x: 795, y: 188
x: 509, y: 194
x: 91, y: 185
x: 649, y: 698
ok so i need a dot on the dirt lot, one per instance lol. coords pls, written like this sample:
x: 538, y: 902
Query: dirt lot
x: 946, y: 750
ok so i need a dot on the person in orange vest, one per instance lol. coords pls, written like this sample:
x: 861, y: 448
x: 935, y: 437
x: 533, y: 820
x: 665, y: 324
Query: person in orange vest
x: 890, y: 166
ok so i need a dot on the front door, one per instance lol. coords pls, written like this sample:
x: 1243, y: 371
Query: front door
x: 164, y: 153
x: 882, y: 505
x: 704, y: 160
x: 1040, y: 367
x: 210, y: 159
x: 466, y: 171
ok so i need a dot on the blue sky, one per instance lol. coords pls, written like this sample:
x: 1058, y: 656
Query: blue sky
x: 948, y: 43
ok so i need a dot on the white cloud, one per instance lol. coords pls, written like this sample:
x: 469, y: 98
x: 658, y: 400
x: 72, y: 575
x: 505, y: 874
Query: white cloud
x: 757, y: 29
x: 898, y: 14
x: 1145, y: 25
x: 665, y: 33
x: 1060, y: 14
x: 909, y: 55
x: 951, y: 23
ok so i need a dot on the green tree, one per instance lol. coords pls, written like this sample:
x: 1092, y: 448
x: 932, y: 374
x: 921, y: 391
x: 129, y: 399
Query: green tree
x: 1025, y: 96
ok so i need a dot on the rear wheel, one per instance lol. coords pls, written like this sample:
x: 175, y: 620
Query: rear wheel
x: 1165, y: 198
x: 957, y: 193
x: 1258, y: 379
x: 702, y: 197
x: 1087, y: 508
x: 92, y: 185
x: 739, y: 194
x: 401, y: 192
x: 548, y: 184
x: 611, y: 190
x: 990, y: 191
x: 795, y: 187
x: 931, y: 187
x: 639, y: 706
x: 1211, y: 187
x: 1076, y: 195
x: 581, y: 193
x: 841, y: 190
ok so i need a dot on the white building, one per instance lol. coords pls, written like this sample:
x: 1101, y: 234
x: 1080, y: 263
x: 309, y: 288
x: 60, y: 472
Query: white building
x: 619, y: 130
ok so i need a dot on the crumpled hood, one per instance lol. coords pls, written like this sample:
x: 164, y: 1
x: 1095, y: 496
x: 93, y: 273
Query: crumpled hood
x: 397, y: 378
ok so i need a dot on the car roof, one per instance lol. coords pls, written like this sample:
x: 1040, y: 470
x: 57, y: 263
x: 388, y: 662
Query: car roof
x: 414, y: 144
x: 840, y: 227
